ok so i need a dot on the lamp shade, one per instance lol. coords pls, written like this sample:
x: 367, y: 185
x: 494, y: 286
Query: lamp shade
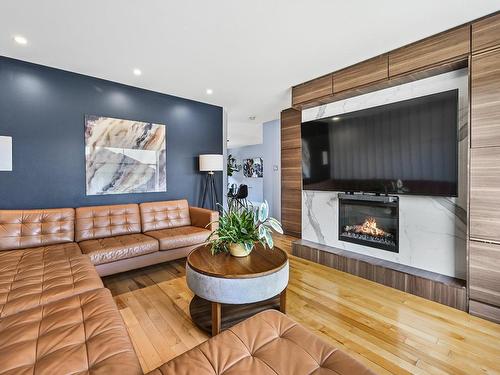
x: 211, y: 162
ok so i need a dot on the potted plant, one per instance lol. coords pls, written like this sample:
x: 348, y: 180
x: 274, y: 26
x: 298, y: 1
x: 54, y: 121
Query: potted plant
x: 240, y: 229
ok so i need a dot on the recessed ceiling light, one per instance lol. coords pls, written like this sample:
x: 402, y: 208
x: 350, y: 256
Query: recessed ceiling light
x: 336, y: 118
x: 20, y: 40
x: 137, y: 72
x: 210, y: 91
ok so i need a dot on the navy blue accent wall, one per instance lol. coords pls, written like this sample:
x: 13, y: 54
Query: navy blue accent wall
x: 43, y: 110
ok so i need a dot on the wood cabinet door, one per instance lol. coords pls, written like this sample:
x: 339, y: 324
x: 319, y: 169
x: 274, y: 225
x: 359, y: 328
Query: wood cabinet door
x: 484, y: 272
x: 436, y: 49
x: 291, y: 120
x: 361, y: 74
x: 291, y: 172
x: 485, y: 193
x: 291, y: 211
x: 312, y: 90
x: 485, y: 99
x: 484, y: 311
x: 291, y: 168
x: 486, y: 33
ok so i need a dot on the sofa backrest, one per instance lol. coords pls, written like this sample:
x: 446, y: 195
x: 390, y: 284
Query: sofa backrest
x: 31, y: 228
x: 164, y: 215
x: 106, y: 221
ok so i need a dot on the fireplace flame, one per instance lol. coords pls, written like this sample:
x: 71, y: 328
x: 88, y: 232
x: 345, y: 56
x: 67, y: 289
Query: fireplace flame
x: 369, y: 227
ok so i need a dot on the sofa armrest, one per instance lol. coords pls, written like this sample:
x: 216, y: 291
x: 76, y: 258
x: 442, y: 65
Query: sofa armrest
x: 202, y: 217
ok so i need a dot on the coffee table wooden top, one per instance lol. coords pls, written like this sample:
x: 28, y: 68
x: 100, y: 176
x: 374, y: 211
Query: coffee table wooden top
x: 261, y: 261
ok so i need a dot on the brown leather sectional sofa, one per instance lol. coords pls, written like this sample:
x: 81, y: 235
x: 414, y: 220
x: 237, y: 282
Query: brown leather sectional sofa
x: 56, y: 317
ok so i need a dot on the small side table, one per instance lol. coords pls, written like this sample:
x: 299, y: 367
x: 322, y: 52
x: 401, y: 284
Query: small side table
x: 229, y: 289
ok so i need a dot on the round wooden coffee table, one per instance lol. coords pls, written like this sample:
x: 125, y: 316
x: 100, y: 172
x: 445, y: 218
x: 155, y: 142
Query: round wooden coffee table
x: 229, y: 289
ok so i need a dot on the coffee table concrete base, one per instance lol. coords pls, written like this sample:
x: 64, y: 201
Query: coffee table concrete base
x: 237, y: 291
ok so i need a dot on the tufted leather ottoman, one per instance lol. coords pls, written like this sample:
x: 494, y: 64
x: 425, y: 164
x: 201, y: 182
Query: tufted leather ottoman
x: 268, y: 343
x: 82, y: 334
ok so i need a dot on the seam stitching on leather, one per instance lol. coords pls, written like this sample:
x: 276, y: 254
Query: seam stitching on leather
x: 14, y: 279
x: 84, y: 333
x: 279, y: 334
x: 250, y: 354
x: 294, y: 324
x: 208, y: 360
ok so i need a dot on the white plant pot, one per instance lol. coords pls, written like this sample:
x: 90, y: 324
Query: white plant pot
x: 238, y: 250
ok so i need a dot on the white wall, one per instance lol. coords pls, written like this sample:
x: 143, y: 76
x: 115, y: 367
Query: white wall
x: 272, y: 174
x: 255, y: 184
x: 269, y: 187
x: 432, y: 229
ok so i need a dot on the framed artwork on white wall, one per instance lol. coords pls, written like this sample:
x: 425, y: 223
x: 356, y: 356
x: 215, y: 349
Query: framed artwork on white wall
x: 253, y: 167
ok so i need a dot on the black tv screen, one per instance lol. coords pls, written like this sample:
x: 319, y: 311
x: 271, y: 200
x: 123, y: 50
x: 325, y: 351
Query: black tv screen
x: 408, y: 147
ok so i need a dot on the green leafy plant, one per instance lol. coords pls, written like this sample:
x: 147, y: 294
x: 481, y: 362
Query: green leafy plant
x: 244, y: 226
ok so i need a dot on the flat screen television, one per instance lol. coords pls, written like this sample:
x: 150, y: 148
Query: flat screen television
x: 407, y: 147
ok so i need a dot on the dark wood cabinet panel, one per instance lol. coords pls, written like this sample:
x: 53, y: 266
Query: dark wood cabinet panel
x: 291, y: 168
x: 312, y: 89
x: 291, y: 172
x: 291, y: 211
x: 486, y: 33
x: 485, y: 99
x: 436, y: 49
x: 484, y: 273
x: 361, y: 74
x: 485, y: 193
x: 291, y: 120
x: 485, y: 311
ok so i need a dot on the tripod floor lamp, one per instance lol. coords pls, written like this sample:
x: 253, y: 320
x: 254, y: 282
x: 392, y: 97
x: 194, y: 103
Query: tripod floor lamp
x: 210, y: 163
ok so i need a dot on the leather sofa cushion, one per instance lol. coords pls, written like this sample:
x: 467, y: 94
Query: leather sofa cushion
x: 106, y: 221
x: 268, y: 343
x: 21, y: 229
x: 163, y: 215
x: 33, y: 277
x: 110, y: 249
x: 82, y: 334
x: 175, y: 238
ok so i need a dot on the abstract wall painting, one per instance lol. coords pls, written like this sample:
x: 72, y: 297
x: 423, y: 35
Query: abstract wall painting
x: 124, y: 156
x: 253, y: 167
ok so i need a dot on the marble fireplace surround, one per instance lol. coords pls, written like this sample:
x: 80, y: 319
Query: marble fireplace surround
x: 432, y: 230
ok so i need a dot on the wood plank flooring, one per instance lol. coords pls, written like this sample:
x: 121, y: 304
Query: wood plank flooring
x: 392, y: 332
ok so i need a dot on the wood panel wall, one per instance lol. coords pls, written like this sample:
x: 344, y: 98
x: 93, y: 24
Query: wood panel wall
x: 291, y: 172
x: 484, y: 170
x: 477, y: 45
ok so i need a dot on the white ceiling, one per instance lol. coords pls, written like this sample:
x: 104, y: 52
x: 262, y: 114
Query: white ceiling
x: 248, y: 51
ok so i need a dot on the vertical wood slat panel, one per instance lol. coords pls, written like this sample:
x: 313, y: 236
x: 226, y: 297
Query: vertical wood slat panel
x: 484, y: 273
x: 291, y: 172
x: 484, y: 210
x: 485, y: 99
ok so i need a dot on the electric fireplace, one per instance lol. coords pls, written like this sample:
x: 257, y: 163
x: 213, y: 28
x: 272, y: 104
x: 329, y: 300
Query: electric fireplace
x: 369, y: 220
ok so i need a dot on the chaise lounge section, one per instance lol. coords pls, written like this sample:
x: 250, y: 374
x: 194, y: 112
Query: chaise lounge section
x: 268, y: 343
x: 57, y: 318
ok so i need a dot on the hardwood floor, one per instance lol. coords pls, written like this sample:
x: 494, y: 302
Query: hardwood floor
x: 390, y: 331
